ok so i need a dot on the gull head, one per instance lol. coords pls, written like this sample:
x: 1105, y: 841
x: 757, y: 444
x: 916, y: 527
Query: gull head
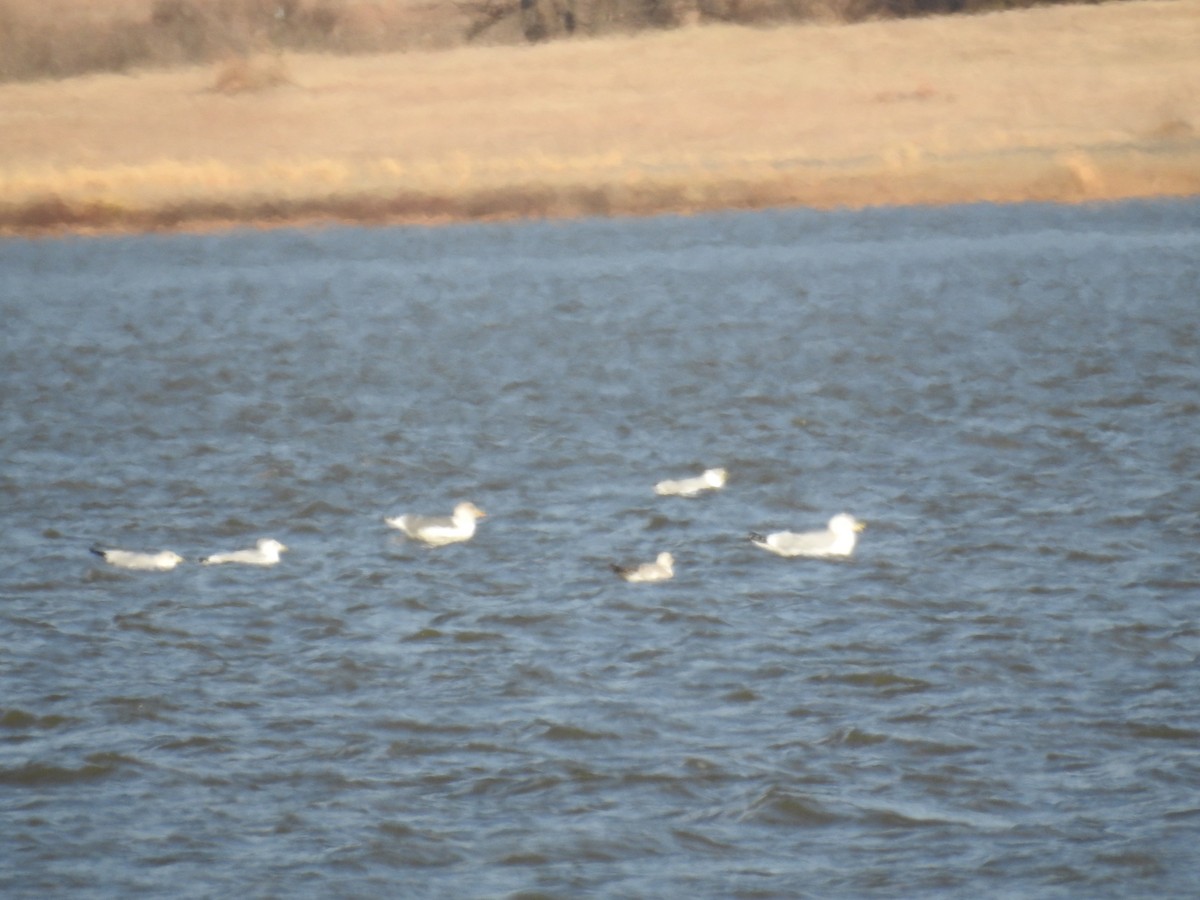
x: 715, y: 477
x: 666, y: 561
x: 270, y: 546
x: 844, y: 523
x: 468, y: 512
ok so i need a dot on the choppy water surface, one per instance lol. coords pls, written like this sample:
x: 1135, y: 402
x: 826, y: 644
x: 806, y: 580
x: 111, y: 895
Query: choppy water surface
x: 997, y: 694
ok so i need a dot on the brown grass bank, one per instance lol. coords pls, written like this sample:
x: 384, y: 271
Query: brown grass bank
x: 1068, y: 103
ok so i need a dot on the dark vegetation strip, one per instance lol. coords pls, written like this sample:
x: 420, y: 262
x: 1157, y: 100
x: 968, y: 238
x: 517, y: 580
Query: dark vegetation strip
x: 35, y: 44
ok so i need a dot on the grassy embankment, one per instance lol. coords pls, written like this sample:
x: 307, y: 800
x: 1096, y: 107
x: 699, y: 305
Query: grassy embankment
x: 1067, y: 103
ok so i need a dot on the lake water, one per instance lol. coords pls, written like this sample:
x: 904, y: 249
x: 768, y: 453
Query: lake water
x: 996, y: 696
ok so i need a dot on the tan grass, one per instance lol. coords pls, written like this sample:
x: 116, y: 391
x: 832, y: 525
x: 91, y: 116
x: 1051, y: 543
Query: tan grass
x: 241, y: 75
x: 1062, y: 103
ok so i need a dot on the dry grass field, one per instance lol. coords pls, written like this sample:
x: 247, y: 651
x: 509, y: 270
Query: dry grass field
x: 1065, y: 103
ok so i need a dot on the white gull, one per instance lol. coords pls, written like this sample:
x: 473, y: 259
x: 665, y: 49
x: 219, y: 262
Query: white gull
x: 837, y: 540
x: 163, y: 561
x: 662, y: 569
x: 711, y: 480
x: 439, y: 530
x: 265, y: 553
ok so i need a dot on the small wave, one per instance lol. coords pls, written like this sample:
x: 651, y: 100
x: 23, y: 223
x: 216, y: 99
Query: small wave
x: 1137, y: 398
x: 140, y: 622
x: 885, y: 682
x: 692, y: 840
x: 418, y: 727
x: 33, y: 587
x: 476, y: 637
x: 133, y: 709
x: 526, y: 858
x: 96, y: 767
x: 251, y: 416
x: 319, y: 508
x: 659, y: 522
x: 1192, y: 813
x: 890, y: 818
x: 408, y: 749
x: 1160, y: 732
x: 994, y: 441
x: 424, y: 634
x: 574, y: 733
x: 518, y: 620
x: 741, y: 695
x: 95, y: 574
x: 937, y: 748
x: 196, y: 743
x: 667, y: 616
x: 403, y: 846
x: 1086, y: 556
x: 777, y: 806
x: 1144, y: 864
x: 1171, y: 584
x: 19, y: 719
x: 855, y: 737
x: 233, y: 526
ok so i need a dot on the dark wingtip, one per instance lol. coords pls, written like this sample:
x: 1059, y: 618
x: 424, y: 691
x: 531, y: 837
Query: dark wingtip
x: 757, y: 538
x: 97, y: 551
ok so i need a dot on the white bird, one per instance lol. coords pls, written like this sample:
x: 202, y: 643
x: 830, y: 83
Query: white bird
x: 440, y: 530
x: 163, y: 561
x: 711, y: 480
x: 837, y: 540
x: 265, y: 553
x: 662, y: 569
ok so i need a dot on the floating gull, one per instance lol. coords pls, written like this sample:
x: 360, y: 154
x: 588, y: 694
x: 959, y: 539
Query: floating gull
x: 711, y: 480
x: 266, y: 553
x: 662, y: 569
x: 163, y: 561
x: 439, y: 530
x: 837, y: 540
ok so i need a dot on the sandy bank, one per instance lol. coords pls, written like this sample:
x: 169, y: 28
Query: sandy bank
x: 1063, y: 103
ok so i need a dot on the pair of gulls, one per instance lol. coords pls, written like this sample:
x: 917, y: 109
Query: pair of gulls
x: 264, y: 553
x: 838, y: 539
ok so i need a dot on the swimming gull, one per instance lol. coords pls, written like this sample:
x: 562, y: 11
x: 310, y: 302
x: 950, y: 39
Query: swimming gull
x: 265, y: 553
x: 439, y: 530
x: 662, y: 569
x: 837, y: 540
x: 711, y: 480
x: 163, y: 561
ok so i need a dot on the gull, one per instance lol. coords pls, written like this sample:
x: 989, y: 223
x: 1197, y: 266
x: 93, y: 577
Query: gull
x: 711, y: 480
x: 662, y: 569
x: 163, y: 561
x: 439, y: 530
x: 837, y: 540
x: 265, y: 553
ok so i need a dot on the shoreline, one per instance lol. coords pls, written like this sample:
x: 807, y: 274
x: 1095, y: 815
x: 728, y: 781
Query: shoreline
x: 823, y: 117
x: 1067, y: 178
